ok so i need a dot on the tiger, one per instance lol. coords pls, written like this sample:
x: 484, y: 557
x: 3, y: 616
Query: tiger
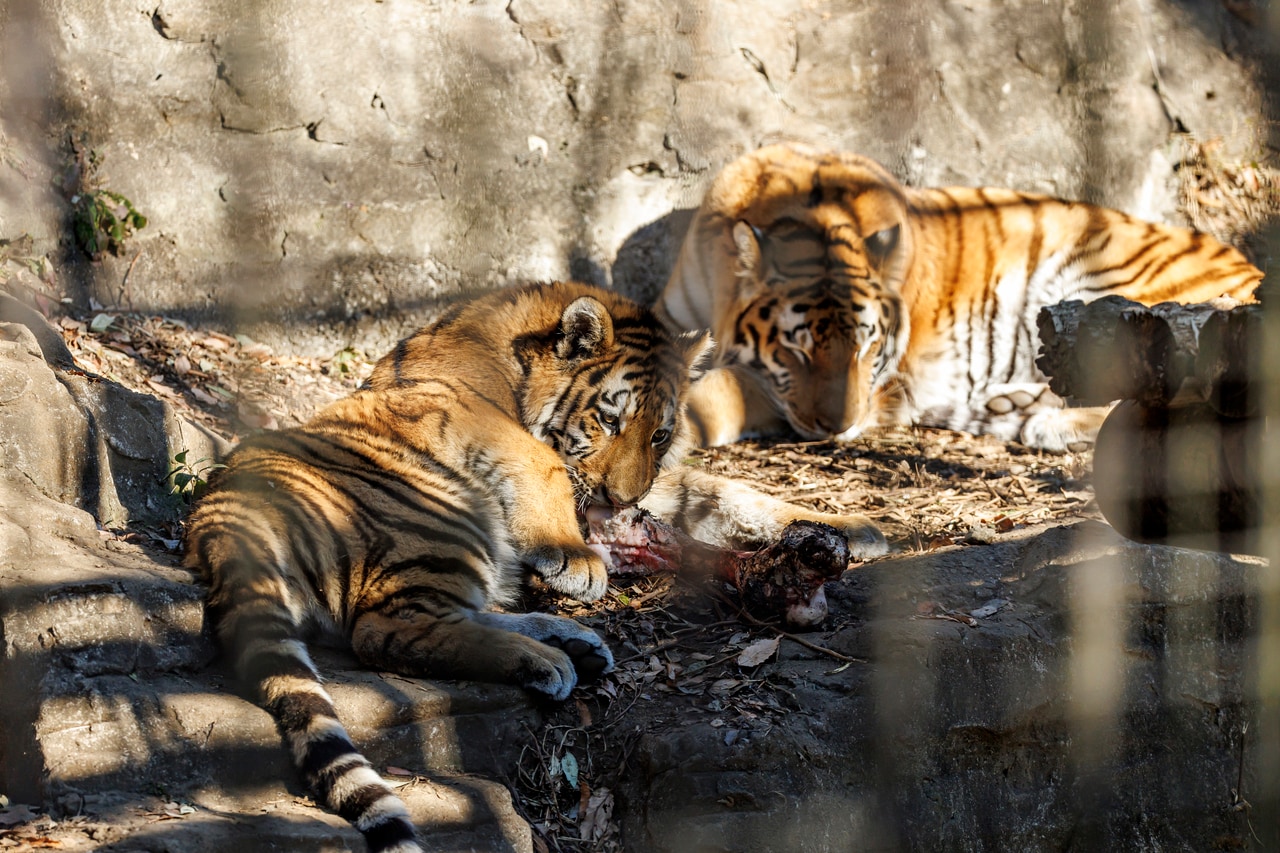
x: 843, y: 300
x: 402, y: 519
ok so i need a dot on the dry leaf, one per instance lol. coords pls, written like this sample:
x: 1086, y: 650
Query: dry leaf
x: 596, y: 816
x: 205, y: 398
x: 160, y: 388
x: 759, y: 651
x: 725, y: 685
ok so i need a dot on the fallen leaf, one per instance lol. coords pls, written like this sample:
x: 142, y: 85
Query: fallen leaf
x: 160, y: 388
x: 569, y: 767
x: 207, y: 399
x: 101, y: 322
x: 989, y: 609
x: 596, y: 816
x: 759, y: 652
x: 725, y: 685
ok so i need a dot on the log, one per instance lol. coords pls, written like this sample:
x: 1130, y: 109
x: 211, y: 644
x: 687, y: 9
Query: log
x: 1187, y: 475
x: 1179, y: 459
x: 1165, y: 355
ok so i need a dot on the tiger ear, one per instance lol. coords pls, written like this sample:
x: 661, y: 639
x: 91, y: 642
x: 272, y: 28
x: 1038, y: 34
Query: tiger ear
x: 586, y: 329
x: 746, y: 239
x: 697, y: 348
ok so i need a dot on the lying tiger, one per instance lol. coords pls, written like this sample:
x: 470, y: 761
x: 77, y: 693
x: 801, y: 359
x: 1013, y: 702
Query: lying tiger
x: 399, y: 516
x: 841, y: 299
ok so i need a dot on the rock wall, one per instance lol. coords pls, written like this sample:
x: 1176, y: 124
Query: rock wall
x: 325, y: 173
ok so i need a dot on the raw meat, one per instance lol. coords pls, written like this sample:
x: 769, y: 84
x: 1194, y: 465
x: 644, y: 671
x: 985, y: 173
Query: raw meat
x: 785, y: 578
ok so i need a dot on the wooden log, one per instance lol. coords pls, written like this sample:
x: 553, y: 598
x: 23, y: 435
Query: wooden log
x: 1165, y: 355
x: 1187, y: 475
x: 1228, y: 363
x: 1077, y: 349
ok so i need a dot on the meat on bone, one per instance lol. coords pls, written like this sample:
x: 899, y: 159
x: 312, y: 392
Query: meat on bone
x: 785, y: 578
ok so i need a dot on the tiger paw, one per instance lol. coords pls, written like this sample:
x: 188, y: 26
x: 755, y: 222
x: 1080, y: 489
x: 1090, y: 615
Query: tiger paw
x: 865, y: 539
x: 1063, y: 430
x: 574, y: 570
x: 1025, y: 397
x: 549, y: 671
x: 590, y: 659
x: 587, y: 654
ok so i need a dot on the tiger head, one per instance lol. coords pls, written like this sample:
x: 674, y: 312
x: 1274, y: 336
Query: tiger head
x: 796, y: 261
x: 605, y: 388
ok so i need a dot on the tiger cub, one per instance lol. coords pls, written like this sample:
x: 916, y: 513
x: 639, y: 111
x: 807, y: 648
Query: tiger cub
x: 841, y: 299
x: 399, y: 517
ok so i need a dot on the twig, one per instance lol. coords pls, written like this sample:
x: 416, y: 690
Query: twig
x: 747, y: 617
x: 670, y: 644
x: 124, y: 282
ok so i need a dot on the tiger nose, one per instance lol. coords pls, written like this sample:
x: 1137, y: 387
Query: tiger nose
x: 620, y: 497
x: 828, y: 426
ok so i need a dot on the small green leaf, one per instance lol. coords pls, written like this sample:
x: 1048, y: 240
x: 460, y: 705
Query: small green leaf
x: 569, y: 766
x: 102, y: 322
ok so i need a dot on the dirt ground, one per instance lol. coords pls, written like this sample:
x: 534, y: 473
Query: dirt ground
x: 684, y: 647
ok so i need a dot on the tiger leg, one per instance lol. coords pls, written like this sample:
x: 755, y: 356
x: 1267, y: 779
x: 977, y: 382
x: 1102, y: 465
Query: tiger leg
x: 726, y: 513
x: 538, y: 504
x: 726, y: 404
x: 543, y: 653
x: 265, y: 644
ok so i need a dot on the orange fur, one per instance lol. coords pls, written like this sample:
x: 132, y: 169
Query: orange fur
x: 850, y: 300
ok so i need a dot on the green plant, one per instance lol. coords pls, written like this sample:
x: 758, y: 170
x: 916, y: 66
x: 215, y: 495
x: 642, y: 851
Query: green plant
x: 103, y: 221
x: 345, y: 360
x: 188, y: 479
x: 20, y: 252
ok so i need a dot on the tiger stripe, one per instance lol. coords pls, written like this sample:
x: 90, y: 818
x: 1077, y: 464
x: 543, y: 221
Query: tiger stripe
x: 397, y: 516
x: 931, y: 297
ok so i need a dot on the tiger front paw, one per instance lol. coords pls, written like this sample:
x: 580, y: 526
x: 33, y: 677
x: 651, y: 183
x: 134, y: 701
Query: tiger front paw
x: 865, y: 539
x: 574, y: 570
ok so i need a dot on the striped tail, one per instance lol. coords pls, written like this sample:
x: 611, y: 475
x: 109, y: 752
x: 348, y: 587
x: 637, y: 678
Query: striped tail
x: 289, y: 688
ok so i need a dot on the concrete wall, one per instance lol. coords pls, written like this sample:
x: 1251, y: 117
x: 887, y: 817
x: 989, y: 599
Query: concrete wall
x: 321, y: 173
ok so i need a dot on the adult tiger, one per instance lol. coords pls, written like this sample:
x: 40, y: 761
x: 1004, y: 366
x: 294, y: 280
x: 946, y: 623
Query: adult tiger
x: 398, y: 516
x: 841, y: 299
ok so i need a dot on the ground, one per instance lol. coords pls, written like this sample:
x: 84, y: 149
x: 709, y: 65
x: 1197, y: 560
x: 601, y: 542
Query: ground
x: 679, y: 640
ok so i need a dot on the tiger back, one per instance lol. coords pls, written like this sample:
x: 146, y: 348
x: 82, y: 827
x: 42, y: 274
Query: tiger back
x: 842, y: 300
x: 399, y: 516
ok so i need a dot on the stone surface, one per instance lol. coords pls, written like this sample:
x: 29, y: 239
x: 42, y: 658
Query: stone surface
x: 127, y: 704
x: 325, y: 177
x: 1094, y: 699
x: 83, y: 440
